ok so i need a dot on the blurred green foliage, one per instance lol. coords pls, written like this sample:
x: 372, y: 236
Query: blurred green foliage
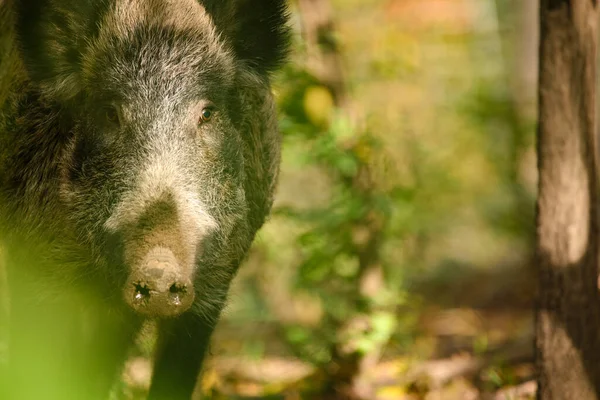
x: 450, y: 148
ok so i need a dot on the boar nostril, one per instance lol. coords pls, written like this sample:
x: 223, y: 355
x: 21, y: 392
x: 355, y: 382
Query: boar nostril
x: 141, y: 291
x: 175, y: 288
x: 176, y: 291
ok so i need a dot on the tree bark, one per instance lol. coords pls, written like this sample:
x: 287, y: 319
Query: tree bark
x: 568, y: 313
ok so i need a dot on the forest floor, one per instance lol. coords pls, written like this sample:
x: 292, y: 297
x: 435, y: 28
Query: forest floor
x: 473, y: 340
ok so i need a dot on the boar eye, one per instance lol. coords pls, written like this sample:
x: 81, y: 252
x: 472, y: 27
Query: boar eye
x: 206, y: 115
x: 112, y: 115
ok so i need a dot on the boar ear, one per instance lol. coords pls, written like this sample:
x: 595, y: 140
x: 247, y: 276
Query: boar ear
x: 51, y: 36
x: 257, y: 30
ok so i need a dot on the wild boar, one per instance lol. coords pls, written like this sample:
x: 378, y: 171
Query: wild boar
x: 139, y: 153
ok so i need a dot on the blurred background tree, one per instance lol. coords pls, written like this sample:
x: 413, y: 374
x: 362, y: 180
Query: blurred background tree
x: 567, y: 313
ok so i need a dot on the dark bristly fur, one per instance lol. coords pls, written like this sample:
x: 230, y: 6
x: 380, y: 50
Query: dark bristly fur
x: 105, y: 158
x: 264, y: 48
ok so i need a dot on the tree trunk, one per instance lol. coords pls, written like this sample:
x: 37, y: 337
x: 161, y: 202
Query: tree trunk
x: 568, y: 314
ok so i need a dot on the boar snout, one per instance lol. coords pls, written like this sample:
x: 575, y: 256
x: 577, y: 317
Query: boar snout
x: 161, y: 223
x: 158, y: 286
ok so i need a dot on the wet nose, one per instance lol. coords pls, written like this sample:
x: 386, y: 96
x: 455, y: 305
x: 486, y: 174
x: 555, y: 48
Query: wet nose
x: 158, y: 287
